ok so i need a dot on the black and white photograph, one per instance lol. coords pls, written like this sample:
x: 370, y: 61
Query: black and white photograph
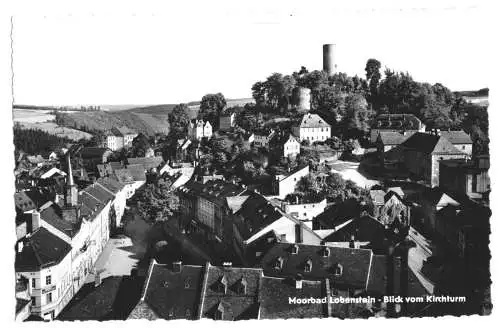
x: 248, y: 161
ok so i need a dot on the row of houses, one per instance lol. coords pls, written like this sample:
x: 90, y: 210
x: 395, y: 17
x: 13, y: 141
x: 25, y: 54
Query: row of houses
x: 60, y: 238
x: 281, y: 276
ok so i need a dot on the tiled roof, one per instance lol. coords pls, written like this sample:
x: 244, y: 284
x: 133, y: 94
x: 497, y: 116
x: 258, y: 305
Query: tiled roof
x: 30, y: 199
x: 397, y: 121
x: 215, y: 191
x: 143, y: 311
x: 122, y: 131
x: 92, y: 152
x: 255, y: 214
x: 130, y: 174
x: 42, y: 249
x: 313, y: 121
x: 391, y: 138
x: 430, y: 143
x: 53, y: 216
x: 111, y: 184
x: 238, y: 299
x: 354, y: 261
x: 457, y: 137
x: 174, y: 295
x: 275, y: 294
x: 147, y: 162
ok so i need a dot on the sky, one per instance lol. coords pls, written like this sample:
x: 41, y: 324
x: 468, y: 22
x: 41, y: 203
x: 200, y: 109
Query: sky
x: 180, y: 54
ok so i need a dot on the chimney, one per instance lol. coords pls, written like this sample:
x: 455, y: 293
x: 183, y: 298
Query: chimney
x: 298, y: 282
x: 20, y: 246
x: 298, y: 233
x: 35, y: 220
x: 352, y: 243
x: 177, y: 266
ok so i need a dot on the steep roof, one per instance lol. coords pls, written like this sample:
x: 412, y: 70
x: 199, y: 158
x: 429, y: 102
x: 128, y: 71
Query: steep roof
x: 239, y: 300
x: 430, y: 144
x: 255, y: 214
x: 173, y: 295
x: 53, y: 216
x: 313, y: 121
x: 30, y: 199
x: 457, y: 137
x: 355, y: 263
x: 122, y: 131
x: 392, y: 138
x: 42, y: 249
x: 275, y: 294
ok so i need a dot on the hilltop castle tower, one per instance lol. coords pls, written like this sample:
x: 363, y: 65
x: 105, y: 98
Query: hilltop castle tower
x: 329, y: 65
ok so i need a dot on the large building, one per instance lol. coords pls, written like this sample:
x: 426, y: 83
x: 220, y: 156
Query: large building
x: 199, y: 129
x: 312, y: 128
x: 465, y: 176
x: 227, y: 121
x: 66, y: 237
x: 120, y: 137
x: 422, y: 153
x: 395, y: 123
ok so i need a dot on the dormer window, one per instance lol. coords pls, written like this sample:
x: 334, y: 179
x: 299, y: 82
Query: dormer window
x: 219, y: 312
x: 278, y: 264
x: 223, y: 284
x: 308, y: 266
x: 295, y: 249
x: 337, y: 270
x: 326, y: 252
x: 242, y: 286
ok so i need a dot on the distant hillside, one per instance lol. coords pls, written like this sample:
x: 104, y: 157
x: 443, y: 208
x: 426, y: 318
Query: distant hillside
x: 479, y: 93
x: 148, y: 124
x: 194, y: 106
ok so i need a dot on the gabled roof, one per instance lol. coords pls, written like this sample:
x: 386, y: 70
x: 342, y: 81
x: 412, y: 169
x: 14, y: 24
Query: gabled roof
x: 41, y: 250
x: 173, y: 295
x: 237, y: 303
x: 28, y: 200
x: 216, y: 191
x: 354, y: 261
x: 122, y: 131
x: 430, y: 144
x: 255, y: 214
x: 393, y: 138
x: 53, y: 216
x: 110, y: 184
x: 313, y: 121
x: 397, y: 121
x: 147, y: 162
x: 275, y: 294
x: 457, y: 137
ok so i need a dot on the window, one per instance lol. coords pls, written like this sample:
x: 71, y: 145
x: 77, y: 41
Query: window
x: 33, y: 301
x: 48, y: 298
x: 33, y: 283
x: 308, y: 266
x: 338, y: 270
x: 463, y: 147
x: 48, y: 280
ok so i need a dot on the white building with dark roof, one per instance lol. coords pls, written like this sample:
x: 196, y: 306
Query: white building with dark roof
x: 198, y: 129
x: 312, y: 128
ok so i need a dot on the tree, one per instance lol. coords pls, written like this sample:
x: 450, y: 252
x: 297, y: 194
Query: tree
x: 358, y: 115
x: 140, y: 145
x: 211, y: 106
x: 373, y: 76
x: 157, y: 201
x: 308, y: 184
x: 179, y: 119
